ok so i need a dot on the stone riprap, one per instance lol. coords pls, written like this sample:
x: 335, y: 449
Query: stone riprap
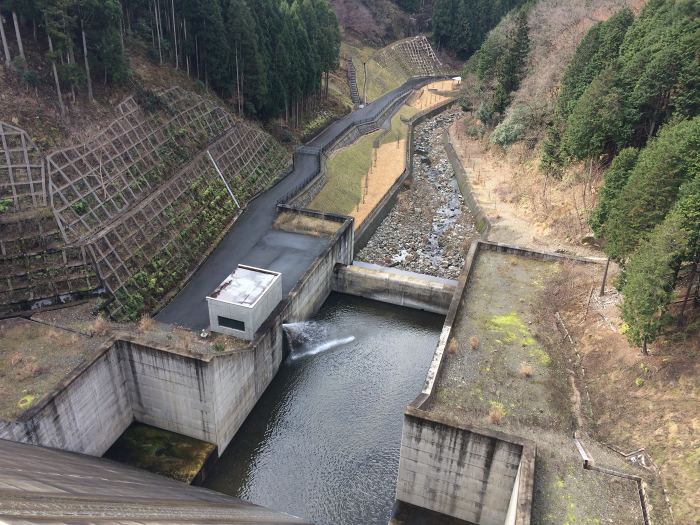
x: 430, y: 227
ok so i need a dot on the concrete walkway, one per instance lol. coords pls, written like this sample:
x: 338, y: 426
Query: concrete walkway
x: 250, y: 242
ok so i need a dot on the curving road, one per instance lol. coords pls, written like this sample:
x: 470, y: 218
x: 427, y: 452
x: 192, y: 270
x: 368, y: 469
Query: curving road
x: 251, y: 239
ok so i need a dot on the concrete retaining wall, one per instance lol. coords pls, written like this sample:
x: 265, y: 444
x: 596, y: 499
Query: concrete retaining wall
x: 86, y: 413
x: 481, y: 220
x: 465, y: 473
x: 352, y: 132
x: 204, y: 396
x: 391, y: 286
x: 434, y: 468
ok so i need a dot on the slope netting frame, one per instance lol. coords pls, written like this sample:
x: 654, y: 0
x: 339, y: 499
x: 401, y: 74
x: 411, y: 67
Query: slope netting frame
x: 94, y: 182
x: 21, y: 170
x: 162, y: 223
x: 35, y: 264
x: 151, y: 248
x: 414, y: 56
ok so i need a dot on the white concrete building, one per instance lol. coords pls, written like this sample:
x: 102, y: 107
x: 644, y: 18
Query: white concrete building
x: 241, y: 303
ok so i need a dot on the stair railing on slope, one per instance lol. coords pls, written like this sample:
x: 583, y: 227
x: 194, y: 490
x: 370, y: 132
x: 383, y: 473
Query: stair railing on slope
x: 352, y: 81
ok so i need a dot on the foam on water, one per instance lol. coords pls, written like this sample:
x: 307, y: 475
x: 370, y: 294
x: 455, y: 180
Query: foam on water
x: 322, y: 347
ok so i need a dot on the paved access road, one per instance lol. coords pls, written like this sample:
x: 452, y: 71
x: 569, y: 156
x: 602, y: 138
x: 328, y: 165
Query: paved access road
x: 250, y: 240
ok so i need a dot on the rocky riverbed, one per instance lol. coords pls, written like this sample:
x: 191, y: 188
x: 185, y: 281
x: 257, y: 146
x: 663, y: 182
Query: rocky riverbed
x: 430, y: 228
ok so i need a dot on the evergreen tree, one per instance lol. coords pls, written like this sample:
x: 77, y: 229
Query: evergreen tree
x: 663, y: 166
x: 211, y: 50
x: 597, y: 51
x: 597, y: 125
x: 248, y: 72
x: 616, y: 178
x: 444, y: 12
x: 653, y: 270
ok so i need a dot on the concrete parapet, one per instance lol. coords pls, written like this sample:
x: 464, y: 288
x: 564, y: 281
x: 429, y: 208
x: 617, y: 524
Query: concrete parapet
x: 388, y: 285
x: 439, y: 467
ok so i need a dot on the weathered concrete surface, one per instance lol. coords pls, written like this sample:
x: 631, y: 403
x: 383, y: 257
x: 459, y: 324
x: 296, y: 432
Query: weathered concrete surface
x: 248, y: 295
x: 412, y: 290
x: 51, y: 486
x: 466, y: 473
x: 206, y: 397
x: 85, y: 413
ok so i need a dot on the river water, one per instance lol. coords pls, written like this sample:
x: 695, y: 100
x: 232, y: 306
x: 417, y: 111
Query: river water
x: 323, y: 441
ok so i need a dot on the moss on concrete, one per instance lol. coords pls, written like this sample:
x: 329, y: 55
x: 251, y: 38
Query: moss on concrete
x: 160, y: 451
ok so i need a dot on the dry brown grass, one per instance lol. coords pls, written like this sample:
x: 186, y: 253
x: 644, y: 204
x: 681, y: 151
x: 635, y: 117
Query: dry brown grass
x: 452, y: 346
x: 526, y: 370
x: 100, y: 326
x: 27, y: 368
x: 62, y: 338
x: 497, y: 413
x: 474, y: 342
x: 145, y: 323
x: 185, y: 338
x: 298, y: 223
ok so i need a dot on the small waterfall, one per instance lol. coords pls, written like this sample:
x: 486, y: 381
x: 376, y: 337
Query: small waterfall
x: 308, y: 338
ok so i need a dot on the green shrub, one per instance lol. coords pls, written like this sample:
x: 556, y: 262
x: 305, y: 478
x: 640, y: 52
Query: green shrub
x: 79, y: 207
x: 513, y: 127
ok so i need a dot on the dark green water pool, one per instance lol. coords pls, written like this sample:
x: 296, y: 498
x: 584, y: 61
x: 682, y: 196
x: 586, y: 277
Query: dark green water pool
x: 323, y: 441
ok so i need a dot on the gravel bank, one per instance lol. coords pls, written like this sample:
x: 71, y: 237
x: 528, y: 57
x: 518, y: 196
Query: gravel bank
x: 430, y: 228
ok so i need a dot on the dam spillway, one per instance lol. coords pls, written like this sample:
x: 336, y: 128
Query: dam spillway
x: 323, y: 441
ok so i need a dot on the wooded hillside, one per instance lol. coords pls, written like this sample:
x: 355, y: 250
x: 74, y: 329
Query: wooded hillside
x: 627, y: 104
x: 268, y: 57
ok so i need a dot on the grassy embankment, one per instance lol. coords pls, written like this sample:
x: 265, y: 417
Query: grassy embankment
x: 360, y: 175
x: 348, y: 167
x: 381, y: 80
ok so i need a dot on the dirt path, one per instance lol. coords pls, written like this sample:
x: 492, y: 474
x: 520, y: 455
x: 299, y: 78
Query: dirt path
x: 520, y: 213
x: 389, y: 160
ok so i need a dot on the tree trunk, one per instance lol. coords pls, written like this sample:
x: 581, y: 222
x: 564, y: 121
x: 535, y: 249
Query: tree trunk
x: 18, y: 35
x: 177, y: 60
x: 158, y: 33
x: 645, y: 350
x: 687, y: 293
x: 187, y: 56
x: 196, y: 53
x: 238, y: 85
x: 55, y: 77
x: 153, y: 33
x: 6, y: 49
x: 122, y: 30
x: 87, y: 63
x: 605, y: 277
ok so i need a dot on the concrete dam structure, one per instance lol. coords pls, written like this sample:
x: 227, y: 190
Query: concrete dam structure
x: 470, y: 473
x: 204, y: 396
x: 44, y: 485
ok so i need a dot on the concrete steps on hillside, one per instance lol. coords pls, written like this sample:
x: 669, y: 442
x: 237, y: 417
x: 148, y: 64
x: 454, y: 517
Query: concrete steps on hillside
x: 352, y: 81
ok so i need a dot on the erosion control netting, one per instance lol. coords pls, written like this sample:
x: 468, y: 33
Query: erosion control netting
x: 413, y: 57
x: 92, y: 183
x: 21, y: 171
x: 35, y: 264
x: 144, y: 199
x: 149, y: 250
